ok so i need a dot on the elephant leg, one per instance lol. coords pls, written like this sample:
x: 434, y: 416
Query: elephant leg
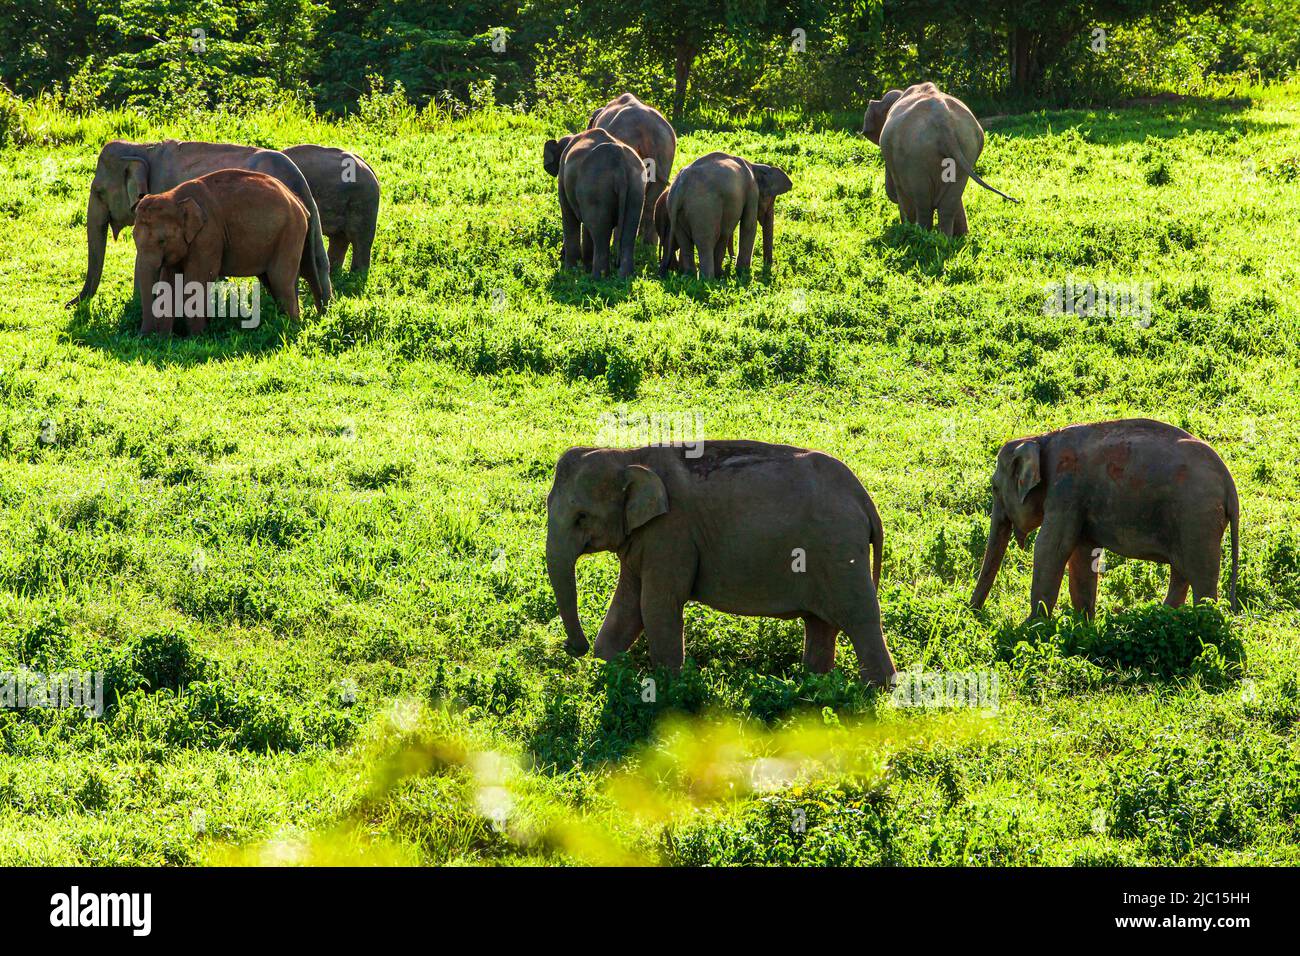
x: 687, y: 256
x: 283, y: 284
x: 1052, y: 550
x: 666, y: 577
x: 646, y: 231
x: 891, y: 191
x: 166, y: 324
x: 623, y: 624
x: 600, y: 234
x: 959, y: 225
x: 1202, y: 572
x: 925, y: 215
x: 818, y: 644
x: 719, y: 256
x: 1083, y: 580
x: 588, y: 248
x: 572, y: 253
x: 861, y: 622
x: 338, y: 250
x: 705, y: 246
x: 1176, y: 596
x: 906, y: 209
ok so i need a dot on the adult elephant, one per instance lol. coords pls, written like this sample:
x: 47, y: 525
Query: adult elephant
x: 127, y: 172
x: 1134, y: 486
x: 930, y: 142
x: 743, y: 527
x: 346, y: 191
x: 646, y: 130
x: 601, y: 193
x: 709, y: 198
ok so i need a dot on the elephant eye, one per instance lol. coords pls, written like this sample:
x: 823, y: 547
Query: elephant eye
x: 580, y: 518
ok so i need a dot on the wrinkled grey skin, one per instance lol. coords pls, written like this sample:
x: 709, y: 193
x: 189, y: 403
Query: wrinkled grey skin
x: 1137, y: 487
x: 349, y: 210
x: 917, y: 129
x: 722, y: 529
x: 706, y: 202
x: 646, y: 130
x: 601, y: 195
x: 126, y: 172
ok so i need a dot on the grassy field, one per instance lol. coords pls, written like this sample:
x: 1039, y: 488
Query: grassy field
x: 309, y: 557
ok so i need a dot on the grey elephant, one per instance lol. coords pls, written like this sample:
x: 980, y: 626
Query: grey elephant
x: 745, y: 528
x: 346, y: 191
x: 648, y: 132
x: 601, y: 194
x: 708, y: 199
x: 1140, y: 488
x: 930, y: 142
x: 127, y: 172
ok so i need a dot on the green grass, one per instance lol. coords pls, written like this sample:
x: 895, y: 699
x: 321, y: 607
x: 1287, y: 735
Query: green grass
x: 309, y: 557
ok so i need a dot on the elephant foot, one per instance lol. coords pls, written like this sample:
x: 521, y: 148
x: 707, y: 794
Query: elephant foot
x: 576, y: 650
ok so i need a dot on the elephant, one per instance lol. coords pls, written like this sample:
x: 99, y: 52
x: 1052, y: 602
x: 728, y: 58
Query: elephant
x: 706, y: 202
x: 930, y: 142
x: 744, y: 527
x: 346, y: 191
x: 233, y: 222
x: 646, y: 130
x: 601, y: 195
x: 1140, y: 488
x: 126, y: 172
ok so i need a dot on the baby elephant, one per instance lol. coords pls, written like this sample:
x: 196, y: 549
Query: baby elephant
x: 705, y: 203
x: 930, y: 142
x: 744, y: 527
x: 1140, y: 488
x: 229, y: 223
x: 602, y: 189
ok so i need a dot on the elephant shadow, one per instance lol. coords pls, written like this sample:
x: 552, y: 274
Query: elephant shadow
x: 114, y: 329
x: 909, y: 248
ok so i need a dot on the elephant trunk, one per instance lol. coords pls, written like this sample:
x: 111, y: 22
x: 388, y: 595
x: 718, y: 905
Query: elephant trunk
x: 561, y: 564
x: 96, y: 241
x: 146, y: 276
x: 766, y: 217
x: 994, y: 552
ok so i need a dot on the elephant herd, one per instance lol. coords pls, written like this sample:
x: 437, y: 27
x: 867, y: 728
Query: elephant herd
x: 744, y: 527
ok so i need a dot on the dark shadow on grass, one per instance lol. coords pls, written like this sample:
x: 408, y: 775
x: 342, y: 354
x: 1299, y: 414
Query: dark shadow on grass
x: 1112, y: 125
x: 116, y: 333
x: 909, y: 248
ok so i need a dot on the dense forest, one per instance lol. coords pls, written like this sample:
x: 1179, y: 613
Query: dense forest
x: 737, y: 57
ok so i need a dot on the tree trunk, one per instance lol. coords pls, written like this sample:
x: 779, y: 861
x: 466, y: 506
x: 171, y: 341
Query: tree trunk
x: 1024, y: 70
x: 684, y: 59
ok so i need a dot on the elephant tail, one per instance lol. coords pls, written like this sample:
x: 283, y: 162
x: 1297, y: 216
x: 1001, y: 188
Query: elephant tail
x: 877, y: 542
x: 953, y: 149
x: 630, y: 202
x: 1234, y: 520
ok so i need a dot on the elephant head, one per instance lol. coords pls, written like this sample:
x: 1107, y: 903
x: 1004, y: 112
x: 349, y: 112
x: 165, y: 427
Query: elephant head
x: 597, y: 500
x: 1018, y: 495
x: 873, y: 121
x: 121, y: 180
x: 164, y: 230
x: 552, y: 151
x: 772, y: 182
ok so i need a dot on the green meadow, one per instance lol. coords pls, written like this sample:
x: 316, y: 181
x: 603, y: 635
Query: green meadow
x: 307, y: 557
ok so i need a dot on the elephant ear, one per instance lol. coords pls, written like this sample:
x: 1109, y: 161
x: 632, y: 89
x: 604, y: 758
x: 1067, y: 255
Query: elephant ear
x: 137, y: 181
x: 1026, y: 467
x: 644, y: 496
x: 771, y: 181
x: 194, y: 218
x: 551, y: 154
x: 873, y: 121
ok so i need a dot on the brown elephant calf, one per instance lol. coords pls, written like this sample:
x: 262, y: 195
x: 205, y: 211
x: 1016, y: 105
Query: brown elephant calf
x: 229, y: 223
x: 1137, y: 487
x: 744, y: 527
